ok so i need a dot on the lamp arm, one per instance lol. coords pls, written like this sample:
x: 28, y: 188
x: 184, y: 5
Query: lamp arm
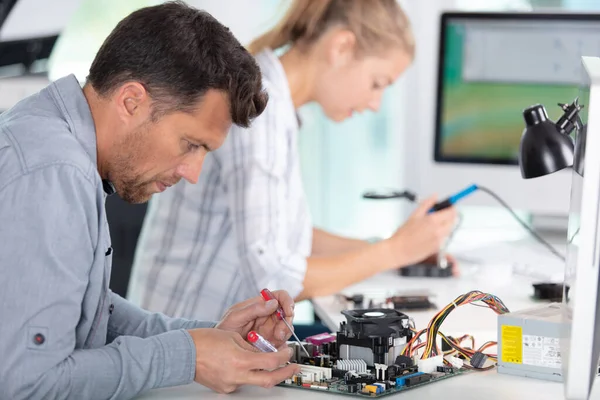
x: 570, y: 120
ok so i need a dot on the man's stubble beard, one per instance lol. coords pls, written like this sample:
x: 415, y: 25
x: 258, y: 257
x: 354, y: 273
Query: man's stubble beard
x: 129, y: 184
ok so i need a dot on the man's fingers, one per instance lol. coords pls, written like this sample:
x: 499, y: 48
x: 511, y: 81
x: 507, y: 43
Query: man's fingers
x: 283, y: 347
x: 244, y: 304
x: 269, y: 379
x: 266, y: 361
x: 258, y: 307
x: 285, y: 301
x: 282, y: 332
x: 253, y: 310
x: 247, y: 346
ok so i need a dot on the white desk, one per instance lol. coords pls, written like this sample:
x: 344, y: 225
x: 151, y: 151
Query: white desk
x: 516, y: 294
x: 475, y: 386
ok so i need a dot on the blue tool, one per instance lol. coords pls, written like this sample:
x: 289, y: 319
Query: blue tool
x: 453, y: 199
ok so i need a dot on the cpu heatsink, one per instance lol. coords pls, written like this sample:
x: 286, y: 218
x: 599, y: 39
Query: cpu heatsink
x: 359, y: 366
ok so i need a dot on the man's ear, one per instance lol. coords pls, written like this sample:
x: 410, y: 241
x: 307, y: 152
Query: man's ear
x: 342, y: 47
x: 132, y: 102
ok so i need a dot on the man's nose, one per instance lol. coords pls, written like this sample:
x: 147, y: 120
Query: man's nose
x: 190, y: 171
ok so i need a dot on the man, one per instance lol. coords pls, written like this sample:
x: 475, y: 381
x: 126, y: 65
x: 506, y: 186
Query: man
x: 248, y: 224
x: 163, y: 90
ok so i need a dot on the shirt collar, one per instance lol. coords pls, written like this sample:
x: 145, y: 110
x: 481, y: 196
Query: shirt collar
x: 75, y: 109
x: 273, y: 72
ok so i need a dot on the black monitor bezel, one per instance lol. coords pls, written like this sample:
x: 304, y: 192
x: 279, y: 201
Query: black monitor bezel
x: 495, y: 16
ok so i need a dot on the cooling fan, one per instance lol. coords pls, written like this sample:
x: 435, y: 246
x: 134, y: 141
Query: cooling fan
x: 375, y: 322
x: 375, y: 335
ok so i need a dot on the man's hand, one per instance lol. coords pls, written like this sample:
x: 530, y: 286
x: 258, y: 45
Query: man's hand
x: 224, y: 362
x: 422, y: 235
x: 258, y: 315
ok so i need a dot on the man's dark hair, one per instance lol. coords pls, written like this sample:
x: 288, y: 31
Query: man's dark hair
x: 178, y: 53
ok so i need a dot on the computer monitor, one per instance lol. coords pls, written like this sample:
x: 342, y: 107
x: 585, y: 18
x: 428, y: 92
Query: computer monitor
x: 580, y: 346
x: 491, y: 67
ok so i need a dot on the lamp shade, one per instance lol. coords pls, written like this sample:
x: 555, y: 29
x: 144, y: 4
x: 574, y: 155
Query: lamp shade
x: 544, y: 149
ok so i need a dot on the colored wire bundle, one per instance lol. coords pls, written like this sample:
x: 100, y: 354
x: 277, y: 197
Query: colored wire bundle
x: 466, y: 353
x: 430, y: 334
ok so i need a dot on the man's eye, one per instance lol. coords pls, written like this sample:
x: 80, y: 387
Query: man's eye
x: 192, y: 146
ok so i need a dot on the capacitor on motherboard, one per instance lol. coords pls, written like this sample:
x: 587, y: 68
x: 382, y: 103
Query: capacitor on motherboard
x: 323, y: 361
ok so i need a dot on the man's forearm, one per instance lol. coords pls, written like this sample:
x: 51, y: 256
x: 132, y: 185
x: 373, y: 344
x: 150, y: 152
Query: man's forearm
x: 327, y: 244
x: 121, y: 370
x: 326, y: 275
x: 128, y: 319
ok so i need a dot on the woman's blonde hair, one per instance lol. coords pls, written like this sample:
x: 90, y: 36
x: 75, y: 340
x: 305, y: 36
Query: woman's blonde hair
x: 377, y: 25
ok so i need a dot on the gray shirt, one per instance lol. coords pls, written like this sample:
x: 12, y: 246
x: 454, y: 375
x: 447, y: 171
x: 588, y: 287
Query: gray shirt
x: 63, y: 333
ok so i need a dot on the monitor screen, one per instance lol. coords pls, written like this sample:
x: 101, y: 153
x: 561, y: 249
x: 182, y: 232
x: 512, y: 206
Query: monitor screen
x: 493, y: 66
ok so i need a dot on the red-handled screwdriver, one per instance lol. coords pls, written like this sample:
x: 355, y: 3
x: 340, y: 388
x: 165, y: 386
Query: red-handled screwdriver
x: 267, y: 295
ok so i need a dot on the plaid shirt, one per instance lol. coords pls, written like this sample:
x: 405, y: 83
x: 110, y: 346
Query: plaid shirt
x: 243, y: 227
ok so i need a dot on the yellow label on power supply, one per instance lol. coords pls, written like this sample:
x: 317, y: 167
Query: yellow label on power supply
x: 512, y: 344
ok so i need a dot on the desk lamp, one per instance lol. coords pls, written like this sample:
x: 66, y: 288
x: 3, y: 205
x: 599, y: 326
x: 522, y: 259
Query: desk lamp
x: 546, y: 146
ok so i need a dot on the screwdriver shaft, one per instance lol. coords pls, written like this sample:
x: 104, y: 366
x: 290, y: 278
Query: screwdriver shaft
x: 298, y: 340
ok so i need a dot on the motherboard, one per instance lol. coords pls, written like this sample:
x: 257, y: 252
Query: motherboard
x: 378, y: 352
x: 367, y: 384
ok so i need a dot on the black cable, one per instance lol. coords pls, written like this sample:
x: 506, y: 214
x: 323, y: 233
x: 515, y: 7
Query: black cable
x: 390, y: 194
x: 523, y: 223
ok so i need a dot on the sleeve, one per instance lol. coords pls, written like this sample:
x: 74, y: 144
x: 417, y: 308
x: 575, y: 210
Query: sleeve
x: 255, y: 167
x: 128, y: 319
x: 49, y: 230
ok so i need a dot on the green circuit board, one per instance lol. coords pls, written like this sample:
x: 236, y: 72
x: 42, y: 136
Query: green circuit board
x: 337, y: 385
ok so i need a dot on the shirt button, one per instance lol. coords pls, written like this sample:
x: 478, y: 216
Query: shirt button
x: 39, y: 339
x: 111, y: 308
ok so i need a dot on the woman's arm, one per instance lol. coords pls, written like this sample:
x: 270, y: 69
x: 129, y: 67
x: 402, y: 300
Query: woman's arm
x: 325, y: 243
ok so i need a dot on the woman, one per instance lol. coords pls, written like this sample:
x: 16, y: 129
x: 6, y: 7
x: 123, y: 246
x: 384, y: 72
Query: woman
x: 246, y: 225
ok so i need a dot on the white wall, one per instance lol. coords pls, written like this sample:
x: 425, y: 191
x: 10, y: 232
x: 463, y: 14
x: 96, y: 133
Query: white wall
x: 420, y: 88
x: 245, y: 18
